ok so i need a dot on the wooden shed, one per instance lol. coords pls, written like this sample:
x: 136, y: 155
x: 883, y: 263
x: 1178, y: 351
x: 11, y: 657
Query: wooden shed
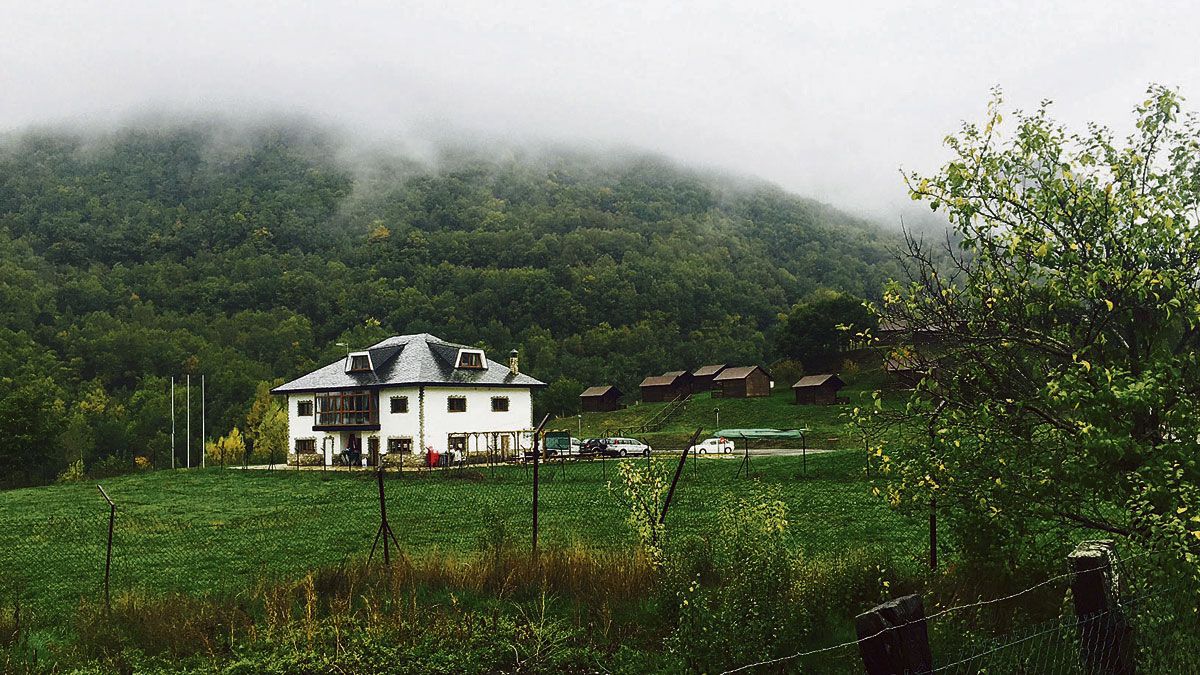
x: 666, y: 387
x: 743, y: 382
x: 702, y: 377
x: 605, y: 398
x: 818, y: 389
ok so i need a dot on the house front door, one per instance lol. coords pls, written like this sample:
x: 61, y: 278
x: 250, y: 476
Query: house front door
x: 373, y: 451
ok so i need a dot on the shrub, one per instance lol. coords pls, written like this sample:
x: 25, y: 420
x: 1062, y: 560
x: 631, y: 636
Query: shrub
x: 744, y: 608
x: 643, y: 489
x: 73, y: 473
x: 111, y: 466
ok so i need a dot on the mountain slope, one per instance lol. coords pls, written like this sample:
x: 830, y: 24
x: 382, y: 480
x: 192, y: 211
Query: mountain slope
x: 245, y: 254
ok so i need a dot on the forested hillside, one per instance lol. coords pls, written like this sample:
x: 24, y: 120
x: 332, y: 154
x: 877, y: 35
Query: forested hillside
x: 246, y: 255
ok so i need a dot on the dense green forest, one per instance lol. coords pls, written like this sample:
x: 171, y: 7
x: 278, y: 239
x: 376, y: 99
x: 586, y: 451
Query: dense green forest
x: 246, y: 254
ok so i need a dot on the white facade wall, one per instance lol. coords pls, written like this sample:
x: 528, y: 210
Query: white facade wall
x: 439, y: 423
x: 430, y: 404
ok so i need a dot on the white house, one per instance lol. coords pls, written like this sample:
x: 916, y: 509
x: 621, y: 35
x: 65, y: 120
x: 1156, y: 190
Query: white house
x: 409, y: 394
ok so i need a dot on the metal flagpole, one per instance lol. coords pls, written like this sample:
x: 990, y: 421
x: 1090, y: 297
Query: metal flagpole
x: 172, y: 421
x: 187, y: 443
x: 202, y: 438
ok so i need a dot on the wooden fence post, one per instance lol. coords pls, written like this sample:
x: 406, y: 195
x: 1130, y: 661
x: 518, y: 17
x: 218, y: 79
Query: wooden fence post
x: 1106, y: 637
x: 894, y: 639
x: 385, y: 530
x: 536, y: 453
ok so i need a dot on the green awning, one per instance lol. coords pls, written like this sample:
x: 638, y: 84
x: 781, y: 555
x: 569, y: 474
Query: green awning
x: 761, y: 433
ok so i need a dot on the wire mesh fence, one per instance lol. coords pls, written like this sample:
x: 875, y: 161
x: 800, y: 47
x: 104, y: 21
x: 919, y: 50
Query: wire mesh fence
x: 223, y: 529
x: 276, y: 525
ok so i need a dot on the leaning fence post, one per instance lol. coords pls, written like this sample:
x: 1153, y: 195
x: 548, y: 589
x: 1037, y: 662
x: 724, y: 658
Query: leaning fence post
x: 112, y: 516
x: 662, y: 517
x: 1106, y: 637
x: 893, y: 638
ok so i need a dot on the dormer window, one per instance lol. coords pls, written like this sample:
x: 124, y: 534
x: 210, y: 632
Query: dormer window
x: 471, y: 359
x: 359, y: 363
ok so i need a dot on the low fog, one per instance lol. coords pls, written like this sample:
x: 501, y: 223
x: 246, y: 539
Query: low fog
x: 829, y: 101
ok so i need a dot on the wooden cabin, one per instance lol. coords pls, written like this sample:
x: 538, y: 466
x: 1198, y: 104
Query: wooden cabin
x: 666, y: 387
x: 605, y: 398
x: 702, y: 377
x: 904, y: 370
x: 684, y: 383
x: 743, y: 382
x: 818, y: 389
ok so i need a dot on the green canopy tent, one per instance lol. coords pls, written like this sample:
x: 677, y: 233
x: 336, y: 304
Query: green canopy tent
x: 748, y: 435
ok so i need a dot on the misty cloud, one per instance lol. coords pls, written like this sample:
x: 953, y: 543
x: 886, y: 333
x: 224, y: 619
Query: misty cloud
x: 828, y: 101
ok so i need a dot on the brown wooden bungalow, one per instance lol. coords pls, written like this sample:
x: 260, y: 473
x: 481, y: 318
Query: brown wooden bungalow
x: 904, y: 370
x: 743, y: 382
x: 605, y: 398
x: 666, y: 387
x: 702, y: 377
x: 818, y: 389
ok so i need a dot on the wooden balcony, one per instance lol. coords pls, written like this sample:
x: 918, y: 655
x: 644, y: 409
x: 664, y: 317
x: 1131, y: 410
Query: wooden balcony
x: 355, y: 410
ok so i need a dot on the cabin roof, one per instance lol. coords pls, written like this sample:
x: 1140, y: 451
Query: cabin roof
x: 817, y: 381
x: 738, y: 373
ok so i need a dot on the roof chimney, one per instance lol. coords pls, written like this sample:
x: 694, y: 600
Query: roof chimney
x: 514, y: 363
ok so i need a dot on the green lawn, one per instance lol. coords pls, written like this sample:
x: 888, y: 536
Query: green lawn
x: 219, y: 530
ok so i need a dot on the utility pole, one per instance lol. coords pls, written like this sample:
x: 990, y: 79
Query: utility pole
x: 203, y: 451
x: 187, y: 441
x: 172, y: 421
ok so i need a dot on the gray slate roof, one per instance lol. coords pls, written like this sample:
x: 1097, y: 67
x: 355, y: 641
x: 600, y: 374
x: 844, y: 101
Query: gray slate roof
x: 400, y: 360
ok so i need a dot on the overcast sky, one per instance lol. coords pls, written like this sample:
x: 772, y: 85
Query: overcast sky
x: 828, y: 100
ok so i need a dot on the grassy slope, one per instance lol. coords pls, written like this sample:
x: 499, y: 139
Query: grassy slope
x: 778, y: 411
x: 215, y: 530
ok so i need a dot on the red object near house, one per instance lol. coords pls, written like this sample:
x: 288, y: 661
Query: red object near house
x: 432, y: 457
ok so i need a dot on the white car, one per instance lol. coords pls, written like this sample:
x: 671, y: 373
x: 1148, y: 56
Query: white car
x: 623, y: 447
x: 714, y: 446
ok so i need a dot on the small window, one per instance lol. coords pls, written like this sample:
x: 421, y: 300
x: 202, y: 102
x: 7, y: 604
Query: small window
x: 304, y: 408
x: 399, y: 446
x: 399, y: 404
x: 306, y: 446
x: 468, y: 359
x: 499, y: 404
x: 456, y: 404
x: 359, y: 362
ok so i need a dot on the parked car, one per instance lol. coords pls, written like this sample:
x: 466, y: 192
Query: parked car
x: 593, y: 445
x: 623, y: 447
x: 574, y: 447
x: 716, y: 446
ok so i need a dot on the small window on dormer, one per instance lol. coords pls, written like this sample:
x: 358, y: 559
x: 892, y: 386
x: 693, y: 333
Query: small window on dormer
x: 470, y: 359
x: 359, y: 362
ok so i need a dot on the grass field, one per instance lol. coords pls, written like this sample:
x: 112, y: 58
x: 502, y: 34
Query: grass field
x: 218, y: 531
